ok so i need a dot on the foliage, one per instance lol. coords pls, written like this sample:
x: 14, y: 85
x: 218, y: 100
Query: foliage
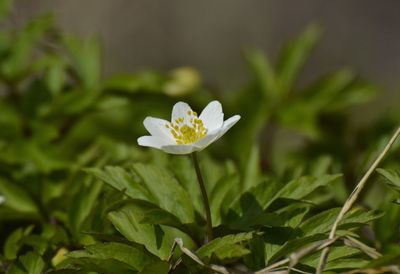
x: 81, y: 197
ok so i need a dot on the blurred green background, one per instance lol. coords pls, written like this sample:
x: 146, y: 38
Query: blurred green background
x: 210, y: 35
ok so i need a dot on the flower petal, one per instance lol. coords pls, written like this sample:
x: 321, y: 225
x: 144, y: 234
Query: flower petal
x: 157, y: 128
x: 228, y: 124
x: 216, y: 134
x: 212, y: 116
x: 180, y: 110
x: 152, y: 141
x: 180, y: 149
x: 208, y: 139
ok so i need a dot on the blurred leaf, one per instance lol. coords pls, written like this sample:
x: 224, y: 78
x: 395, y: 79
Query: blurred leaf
x: 148, y: 81
x: 252, y: 172
x: 83, y: 204
x: 294, y: 56
x: 55, y: 75
x: 392, y: 256
x: 5, y: 7
x: 33, y: 263
x: 182, y: 81
x: 14, y: 242
x: 17, y: 198
x: 16, y: 63
x: 86, y: 60
x: 392, y: 177
x: 301, y: 116
x: 264, y: 75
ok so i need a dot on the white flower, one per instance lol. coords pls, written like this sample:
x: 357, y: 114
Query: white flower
x: 187, y: 132
x: 2, y: 199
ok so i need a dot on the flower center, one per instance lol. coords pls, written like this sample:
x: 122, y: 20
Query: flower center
x: 189, y: 132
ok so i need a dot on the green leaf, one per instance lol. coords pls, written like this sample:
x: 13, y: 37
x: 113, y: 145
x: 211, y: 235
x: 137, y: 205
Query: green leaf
x: 391, y: 256
x: 157, y: 239
x: 392, y: 177
x: 16, y: 64
x: 302, y: 187
x: 294, y: 56
x: 158, y: 216
x: 335, y: 253
x: 14, y: 242
x: 148, y: 81
x: 5, y: 7
x: 55, y: 75
x: 92, y: 265
x: 224, y: 190
x: 83, y: 205
x: 291, y: 246
x: 17, y: 198
x: 166, y: 191
x: 344, y: 264
x: 156, y: 268
x: 33, y: 263
x: 252, y: 171
x: 86, y: 59
x: 263, y: 74
x: 322, y: 222
x: 121, y: 180
x: 137, y: 258
x: 227, y: 247
x: 299, y: 115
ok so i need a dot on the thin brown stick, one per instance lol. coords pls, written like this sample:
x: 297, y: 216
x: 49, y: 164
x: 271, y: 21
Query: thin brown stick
x: 353, y: 197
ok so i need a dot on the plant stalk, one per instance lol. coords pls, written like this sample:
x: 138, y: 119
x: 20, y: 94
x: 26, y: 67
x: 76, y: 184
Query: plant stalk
x: 205, y: 197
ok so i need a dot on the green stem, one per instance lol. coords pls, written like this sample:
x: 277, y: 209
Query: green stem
x: 205, y: 197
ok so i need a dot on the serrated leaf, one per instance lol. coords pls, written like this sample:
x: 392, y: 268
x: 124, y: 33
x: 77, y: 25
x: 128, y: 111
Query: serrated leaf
x: 291, y: 246
x: 137, y: 258
x: 322, y: 222
x: 90, y: 265
x: 335, y: 253
x: 226, y: 247
x: 157, y: 239
x: 166, y: 191
x: 300, y: 188
x: 344, y: 264
x: 121, y: 180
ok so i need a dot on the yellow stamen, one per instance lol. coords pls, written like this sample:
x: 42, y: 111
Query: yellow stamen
x: 188, y: 133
